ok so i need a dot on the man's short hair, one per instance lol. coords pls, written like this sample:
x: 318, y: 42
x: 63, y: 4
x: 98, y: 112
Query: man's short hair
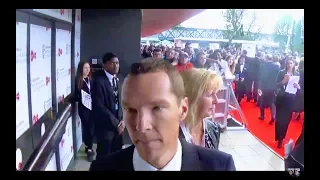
x: 245, y: 52
x: 107, y: 57
x: 157, y: 50
x: 150, y: 65
x: 187, y: 44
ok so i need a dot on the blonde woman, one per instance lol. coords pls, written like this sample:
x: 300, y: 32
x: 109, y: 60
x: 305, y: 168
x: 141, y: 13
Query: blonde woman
x: 201, y: 88
x: 231, y: 63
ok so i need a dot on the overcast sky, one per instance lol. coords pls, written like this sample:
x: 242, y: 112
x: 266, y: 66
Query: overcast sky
x: 266, y: 18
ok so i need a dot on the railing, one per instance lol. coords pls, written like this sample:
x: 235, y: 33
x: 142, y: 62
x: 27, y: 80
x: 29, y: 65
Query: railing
x: 43, y: 152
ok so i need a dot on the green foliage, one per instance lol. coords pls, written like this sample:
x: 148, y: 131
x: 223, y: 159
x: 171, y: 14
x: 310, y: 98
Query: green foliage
x: 235, y: 27
x: 282, y: 30
x: 283, y: 26
x: 297, y: 40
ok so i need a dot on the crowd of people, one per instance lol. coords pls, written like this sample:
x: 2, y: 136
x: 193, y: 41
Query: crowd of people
x: 167, y: 101
x: 261, y: 79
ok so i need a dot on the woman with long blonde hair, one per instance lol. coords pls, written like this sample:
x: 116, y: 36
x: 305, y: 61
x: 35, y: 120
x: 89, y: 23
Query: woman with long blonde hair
x: 201, y: 88
x: 231, y: 63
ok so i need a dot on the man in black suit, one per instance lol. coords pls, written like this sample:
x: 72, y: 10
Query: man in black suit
x: 250, y: 82
x: 154, y: 104
x: 267, y: 86
x: 296, y: 157
x: 241, y: 73
x: 106, y: 109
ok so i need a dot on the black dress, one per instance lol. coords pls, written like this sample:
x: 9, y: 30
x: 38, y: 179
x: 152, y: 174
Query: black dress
x: 285, y: 103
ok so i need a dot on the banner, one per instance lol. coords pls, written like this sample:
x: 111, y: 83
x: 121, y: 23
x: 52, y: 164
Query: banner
x: 40, y: 70
x: 78, y: 132
x: 250, y: 48
x: 62, y: 14
x: 77, y: 31
x: 214, y: 46
x: 63, y: 64
x: 52, y: 165
x: 18, y: 159
x: 22, y: 105
x: 66, y: 146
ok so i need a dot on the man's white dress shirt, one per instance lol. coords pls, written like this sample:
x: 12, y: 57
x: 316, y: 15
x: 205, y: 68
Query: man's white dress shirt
x: 174, y: 164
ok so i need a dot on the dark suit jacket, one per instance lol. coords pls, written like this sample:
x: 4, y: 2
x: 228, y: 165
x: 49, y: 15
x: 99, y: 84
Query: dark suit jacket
x: 194, y: 158
x: 268, y: 76
x: 251, y: 63
x: 104, y: 114
x: 244, y: 73
x: 241, y: 86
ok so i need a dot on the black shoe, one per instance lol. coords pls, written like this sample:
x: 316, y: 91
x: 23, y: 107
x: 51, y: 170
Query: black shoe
x: 86, y: 149
x: 271, y: 121
x: 279, y: 144
x: 261, y: 118
x: 90, y: 155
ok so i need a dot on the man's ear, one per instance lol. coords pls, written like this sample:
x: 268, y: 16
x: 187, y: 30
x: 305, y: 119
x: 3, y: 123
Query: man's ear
x: 184, y: 107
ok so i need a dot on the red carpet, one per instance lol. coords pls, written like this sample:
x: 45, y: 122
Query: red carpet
x: 263, y: 130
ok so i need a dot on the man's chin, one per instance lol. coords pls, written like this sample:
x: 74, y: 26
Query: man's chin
x: 149, y: 146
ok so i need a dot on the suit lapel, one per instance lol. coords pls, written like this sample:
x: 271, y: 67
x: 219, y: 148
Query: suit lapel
x: 108, y: 85
x: 181, y: 135
x: 127, y: 158
x: 190, y: 158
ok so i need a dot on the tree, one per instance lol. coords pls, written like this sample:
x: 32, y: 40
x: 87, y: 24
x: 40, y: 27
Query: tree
x: 283, y: 26
x: 239, y: 25
x: 253, y: 30
x: 282, y: 30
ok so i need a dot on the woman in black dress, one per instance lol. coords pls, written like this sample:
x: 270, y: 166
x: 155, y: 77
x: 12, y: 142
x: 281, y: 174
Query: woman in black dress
x: 83, y: 83
x: 284, y: 102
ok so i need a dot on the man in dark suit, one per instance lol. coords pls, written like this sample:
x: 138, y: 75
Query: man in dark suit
x: 296, y: 157
x: 106, y: 109
x: 241, y: 73
x: 154, y: 104
x: 267, y: 86
x: 251, y: 81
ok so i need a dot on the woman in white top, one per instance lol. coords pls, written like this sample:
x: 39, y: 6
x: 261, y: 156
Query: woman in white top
x: 201, y: 87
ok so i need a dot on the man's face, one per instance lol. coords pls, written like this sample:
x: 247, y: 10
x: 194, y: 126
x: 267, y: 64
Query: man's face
x: 218, y: 56
x: 183, y: 59
x: 188, y: 49
x: 112, y: 66
x: 152, y: 114
x: 202, y: 59
x: 242, y: 60
x: 157, y: 54
x: 170, y: 54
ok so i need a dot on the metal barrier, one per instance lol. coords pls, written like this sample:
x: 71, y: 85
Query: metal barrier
x: 45, y: 149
